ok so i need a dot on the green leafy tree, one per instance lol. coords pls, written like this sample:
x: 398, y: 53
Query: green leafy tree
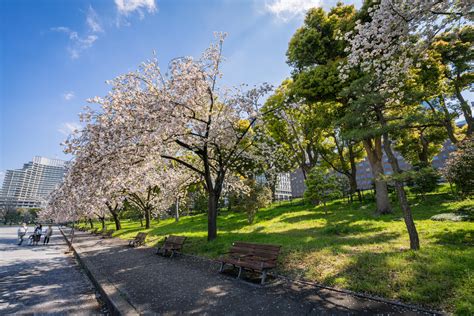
x: 380, y: 114
x: 293, y: 126
x: 322, y: 187
x: 456, y: 49
x: 316, y: 52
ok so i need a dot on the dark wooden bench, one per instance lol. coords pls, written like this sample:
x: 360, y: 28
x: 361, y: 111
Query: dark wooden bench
x: 94, y: 231
x: 138, y: 240
x: 171, y: 244
x: 108, y: 233
x: 251, y: 256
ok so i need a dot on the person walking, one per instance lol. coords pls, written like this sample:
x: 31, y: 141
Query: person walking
x: 47, y: 235
x: 22, y: 230
x: 37, y: 234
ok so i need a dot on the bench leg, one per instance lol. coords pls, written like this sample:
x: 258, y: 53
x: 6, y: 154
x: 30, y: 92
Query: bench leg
x: 240, y: 273
x: 264, y: 276
x: 222, y: 267
x: 172, y: 253
x: 158, y: 250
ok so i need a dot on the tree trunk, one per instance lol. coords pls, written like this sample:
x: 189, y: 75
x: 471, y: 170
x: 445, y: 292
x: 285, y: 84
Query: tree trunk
x: 147, y: 217
x: 447, y: 121
x: 305, y: 169
x: 113, y: 211
x: 229, y: 202
x: 177, y: 210
x: 118, y: 225
x: 212, y: 215
x: 102, y: 221
x: 353, y: 186
x: 402, y: 197
x: 466, y: 110
x: 353, y: 173
x: 90, y: 222
x: 374, y: 155
x: 424, y: 154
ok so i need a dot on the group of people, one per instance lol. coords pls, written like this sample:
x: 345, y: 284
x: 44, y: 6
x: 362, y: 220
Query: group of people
x: 35, y: 238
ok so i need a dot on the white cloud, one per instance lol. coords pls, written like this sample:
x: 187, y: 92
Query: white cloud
x: 125, y: 7
x: 68, y: 95
x: 92, y: 21
x: 77, y: 44
x: 81, y: 44
x: 61, y: 29
x: 289, y: 9
x: 69, y: 128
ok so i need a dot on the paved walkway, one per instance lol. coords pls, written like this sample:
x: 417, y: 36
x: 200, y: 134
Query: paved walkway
x: 42, y: 279
x: 189, y: 285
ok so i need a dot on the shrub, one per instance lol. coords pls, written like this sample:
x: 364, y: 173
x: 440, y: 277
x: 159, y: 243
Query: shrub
x: 459, y: 168
x: 426, y: 180
x: 321, y: 186
x: 260, y: 196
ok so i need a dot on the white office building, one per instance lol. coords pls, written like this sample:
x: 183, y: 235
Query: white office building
x: 283, y: 186
x: 30, y: 186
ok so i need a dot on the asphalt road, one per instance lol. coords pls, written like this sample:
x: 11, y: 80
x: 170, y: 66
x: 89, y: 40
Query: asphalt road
x: 42, y: 279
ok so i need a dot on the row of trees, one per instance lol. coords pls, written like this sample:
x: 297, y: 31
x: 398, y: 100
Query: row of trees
x: 366, y: 83
x: 11, y: 215
x: 157, y: 132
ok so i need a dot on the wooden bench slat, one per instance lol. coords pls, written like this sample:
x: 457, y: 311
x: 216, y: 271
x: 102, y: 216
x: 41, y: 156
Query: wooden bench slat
x: 138, y: 240
x: 255, y: 245
x: 172, y: 243
x: 252, y: 256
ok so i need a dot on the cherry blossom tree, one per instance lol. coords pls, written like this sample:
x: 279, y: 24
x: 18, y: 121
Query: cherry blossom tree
x: 151, y: 120
x: 398, y: 30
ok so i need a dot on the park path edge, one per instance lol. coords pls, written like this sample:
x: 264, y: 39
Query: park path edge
x: 116, y: 302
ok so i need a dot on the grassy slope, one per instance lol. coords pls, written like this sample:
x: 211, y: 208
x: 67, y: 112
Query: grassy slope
x: 351, y: 248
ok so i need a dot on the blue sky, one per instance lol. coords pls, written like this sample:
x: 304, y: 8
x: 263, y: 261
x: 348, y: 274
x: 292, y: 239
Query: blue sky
x: 55, y: 54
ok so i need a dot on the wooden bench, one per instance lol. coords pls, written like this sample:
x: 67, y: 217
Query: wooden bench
x: 251, y: 256
x: 171, y: 244
x: 94, y: 231
x: 138, y: 240
x: 108, y: 233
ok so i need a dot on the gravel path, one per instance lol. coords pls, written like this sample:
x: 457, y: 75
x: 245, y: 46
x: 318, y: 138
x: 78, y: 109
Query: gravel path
x: 191, y: 285
x: 42, y: 279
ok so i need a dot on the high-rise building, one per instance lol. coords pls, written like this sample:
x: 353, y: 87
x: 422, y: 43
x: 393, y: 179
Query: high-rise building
x: 30, y: 186
x: 283, y: 186
x: 297, y: 183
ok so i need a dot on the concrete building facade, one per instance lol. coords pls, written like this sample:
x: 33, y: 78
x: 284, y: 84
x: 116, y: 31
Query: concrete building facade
x: 30, y: 186
x: 283, y: 186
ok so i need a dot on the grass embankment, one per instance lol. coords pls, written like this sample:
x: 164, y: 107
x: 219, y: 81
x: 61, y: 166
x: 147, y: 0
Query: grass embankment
x: 350, y: 247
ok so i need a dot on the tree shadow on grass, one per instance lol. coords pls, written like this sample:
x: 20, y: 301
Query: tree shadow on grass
x: 191, y: 285
x: 460, y: 238
x: 430, y: 276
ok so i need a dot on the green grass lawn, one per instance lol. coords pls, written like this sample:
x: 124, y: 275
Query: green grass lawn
x: 350, y: 247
